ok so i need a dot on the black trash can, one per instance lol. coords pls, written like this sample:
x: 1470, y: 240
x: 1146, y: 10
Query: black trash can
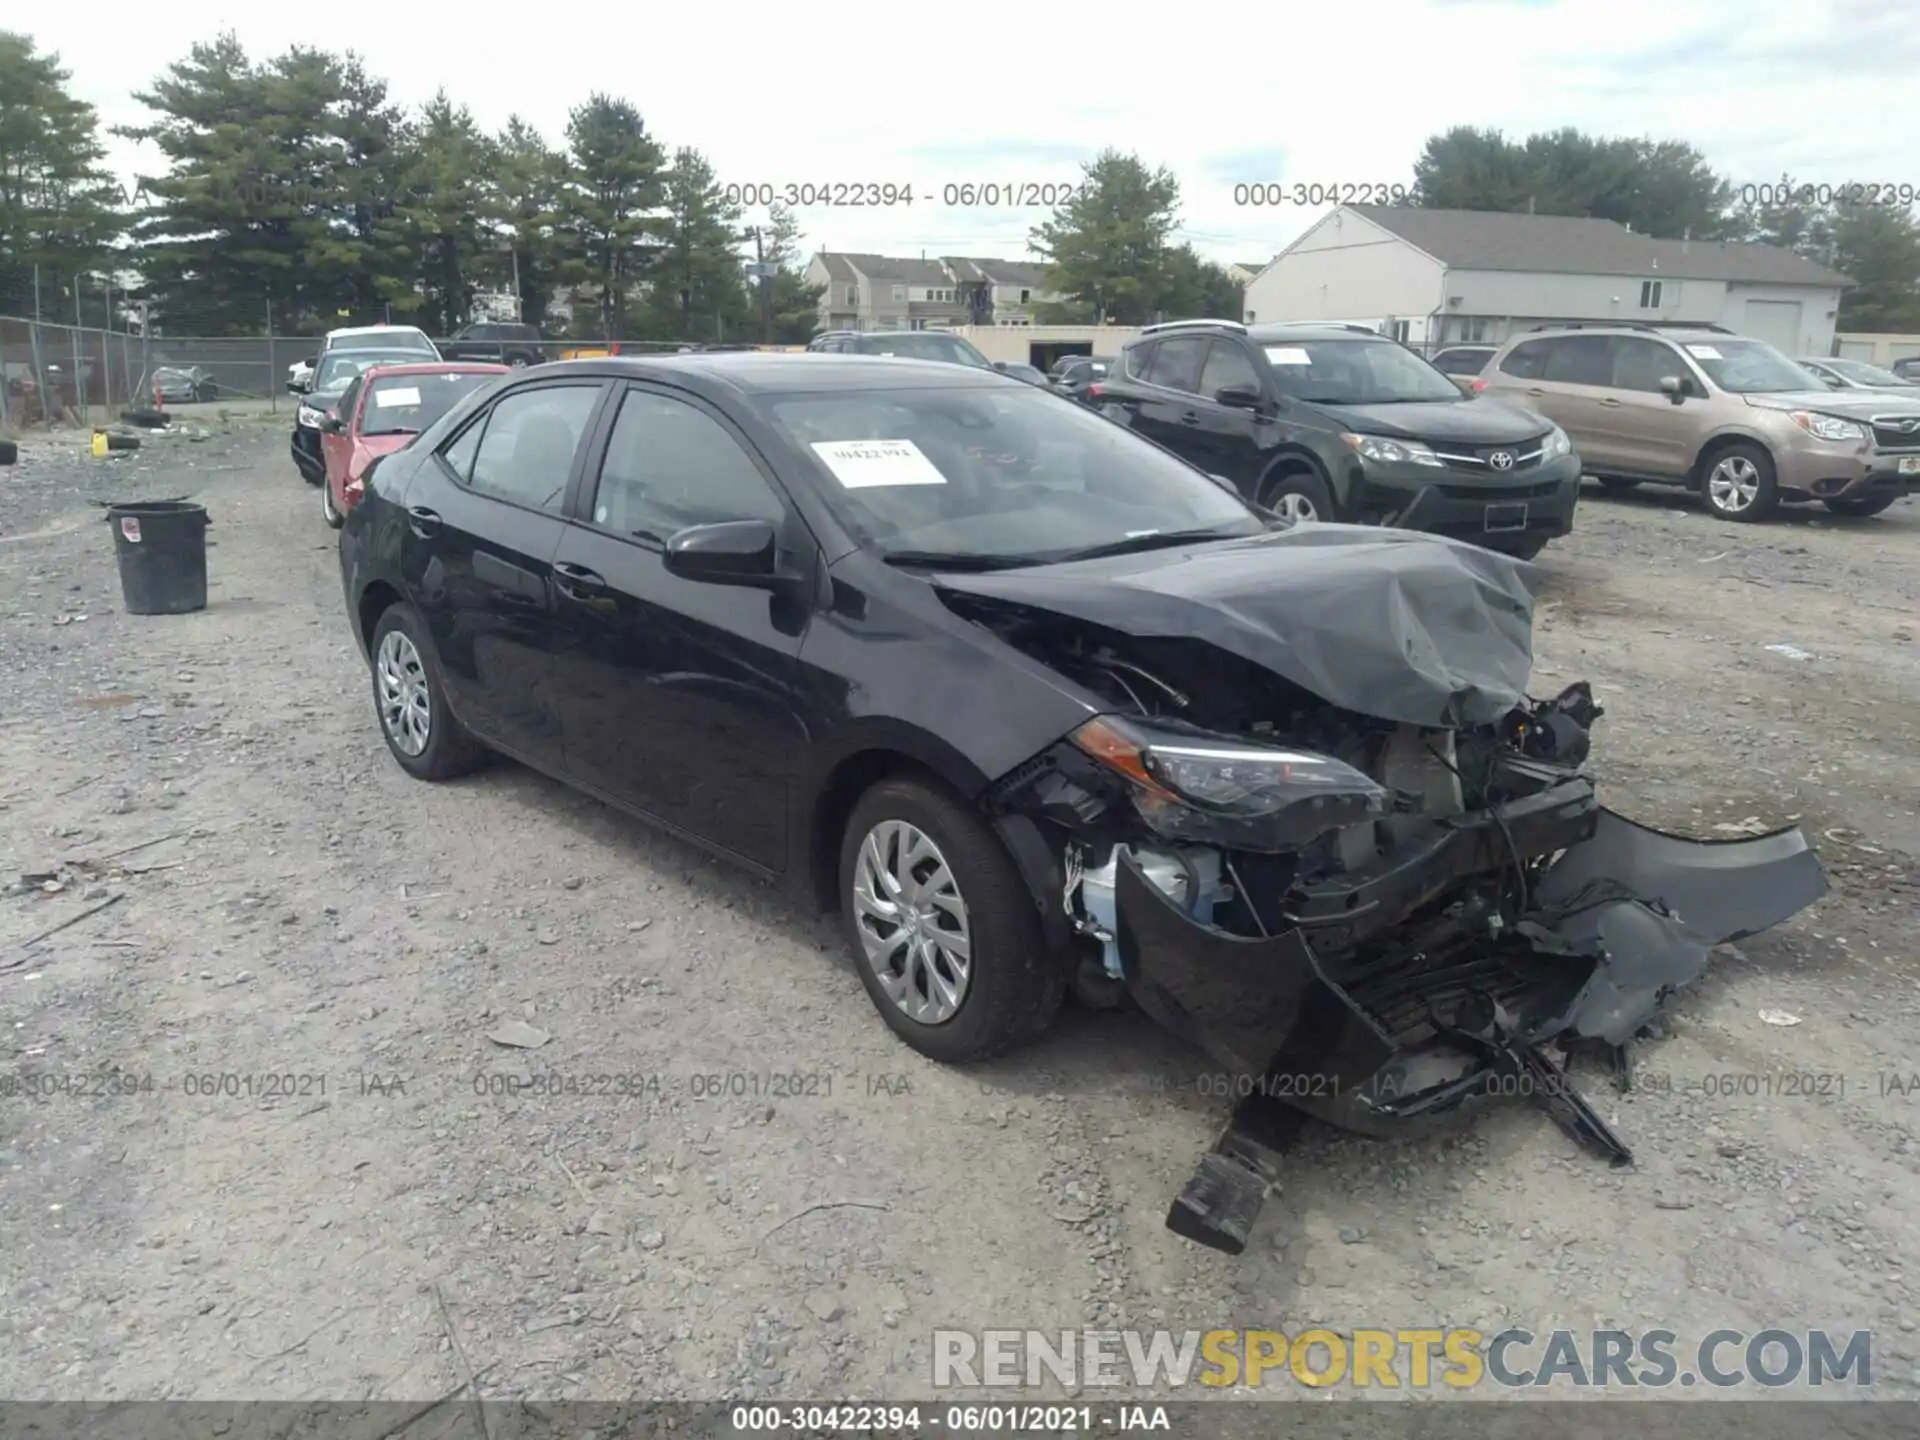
x: 162, y: 548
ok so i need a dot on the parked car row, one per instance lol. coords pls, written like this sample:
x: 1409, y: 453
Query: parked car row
x: 1036, y: 705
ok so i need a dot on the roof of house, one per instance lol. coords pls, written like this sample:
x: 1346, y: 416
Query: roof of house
x: 995, y: 272
x: 1573, y: 245
x: 844, y: 265
x: 1256, y: 266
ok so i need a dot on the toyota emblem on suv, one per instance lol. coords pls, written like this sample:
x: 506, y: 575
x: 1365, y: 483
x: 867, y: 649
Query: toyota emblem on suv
x: 1501, y: 459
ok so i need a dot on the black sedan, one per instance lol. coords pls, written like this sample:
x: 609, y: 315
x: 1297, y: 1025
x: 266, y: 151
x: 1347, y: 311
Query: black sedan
x: 321, y: 399
x: 1038, y: 706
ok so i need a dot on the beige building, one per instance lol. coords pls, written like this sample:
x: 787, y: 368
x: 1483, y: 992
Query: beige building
x: 882, y: 292
x: 1438, y: 277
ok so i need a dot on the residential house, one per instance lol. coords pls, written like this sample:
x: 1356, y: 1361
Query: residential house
x: 1242, y: 274
x: 880, y: 292
x: 1439, y: 277
x: 1000, y: 292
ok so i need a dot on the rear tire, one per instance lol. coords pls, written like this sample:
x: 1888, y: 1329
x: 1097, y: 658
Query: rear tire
x: 1302, y: 495
x: 410, y: 704
x: 1861, y: 507
x: 1737, y: 482
x: 1012, y: 986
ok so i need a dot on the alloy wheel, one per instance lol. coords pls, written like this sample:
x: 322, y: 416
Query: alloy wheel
x: 406, y: 708
x: 1294, y: 506
x: 1733, y: 484
x: 913, y: 922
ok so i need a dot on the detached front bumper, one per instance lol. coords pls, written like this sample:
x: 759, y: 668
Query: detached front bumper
x: 1428, y: 1012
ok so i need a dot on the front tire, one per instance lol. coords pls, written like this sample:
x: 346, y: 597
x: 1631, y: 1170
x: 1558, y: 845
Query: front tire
x: 409, y: 701
x: 1739, y: 483
x: 1300, y: 496
x: 1860, y: 507
x: 943, y: 930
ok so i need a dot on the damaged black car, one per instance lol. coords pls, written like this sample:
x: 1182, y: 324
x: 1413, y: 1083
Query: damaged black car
x: 1040, y: 707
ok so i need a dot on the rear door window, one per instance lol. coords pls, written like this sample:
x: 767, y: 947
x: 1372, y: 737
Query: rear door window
x: 1176, y: 363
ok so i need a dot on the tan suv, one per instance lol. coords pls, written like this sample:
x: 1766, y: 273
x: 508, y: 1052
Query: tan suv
x: 1726, y: 416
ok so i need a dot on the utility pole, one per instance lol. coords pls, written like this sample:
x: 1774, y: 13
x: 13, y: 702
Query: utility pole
x: 79, y: 376
x: 765, y: 282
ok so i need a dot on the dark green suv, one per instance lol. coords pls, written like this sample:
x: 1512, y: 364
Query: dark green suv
x: 1337, y: 422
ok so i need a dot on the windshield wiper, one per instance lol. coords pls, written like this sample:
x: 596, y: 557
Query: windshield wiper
x: 1152, y: 540
x: 959, y: 560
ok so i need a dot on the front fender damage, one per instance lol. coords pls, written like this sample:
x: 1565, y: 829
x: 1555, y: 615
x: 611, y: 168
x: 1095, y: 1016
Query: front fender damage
x: 1438, y: 1016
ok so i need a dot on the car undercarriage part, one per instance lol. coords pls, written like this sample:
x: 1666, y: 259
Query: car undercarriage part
x: 1372, y: 923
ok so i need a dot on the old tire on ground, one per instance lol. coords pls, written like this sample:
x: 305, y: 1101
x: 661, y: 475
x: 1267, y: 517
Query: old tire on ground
x: 1737, y: 482
x: 944, y: 932
x: 409, y: 701
x: 1301, y: 495
x: 330, y: 512
x: 1861, y: 506
x: 145, y: 416
x: 122, y: 442
x: 1617, y: 483
x: 9, y: 452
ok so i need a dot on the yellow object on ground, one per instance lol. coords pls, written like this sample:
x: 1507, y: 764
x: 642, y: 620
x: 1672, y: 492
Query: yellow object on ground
x: 99, y: 442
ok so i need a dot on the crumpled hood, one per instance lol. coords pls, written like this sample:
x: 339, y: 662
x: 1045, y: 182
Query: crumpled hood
x: 1395, y: 624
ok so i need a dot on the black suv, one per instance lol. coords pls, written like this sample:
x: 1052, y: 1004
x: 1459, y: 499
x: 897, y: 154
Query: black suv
x: 497, y: 342
x: 1337, y: 422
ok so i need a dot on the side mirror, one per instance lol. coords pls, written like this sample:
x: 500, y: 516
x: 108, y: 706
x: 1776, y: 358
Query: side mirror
x: 1000, y: 365
x: 1225, y: 484
x: 298, y: 387
x: 334, y: 425
x: 1674, y: 388
x: 733, y: 552
x: 1239, y: 397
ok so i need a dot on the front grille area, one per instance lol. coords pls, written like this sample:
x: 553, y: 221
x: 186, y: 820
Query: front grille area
x: 1889, y: 432
x: 1496, y: 493
x: 1477, y: 458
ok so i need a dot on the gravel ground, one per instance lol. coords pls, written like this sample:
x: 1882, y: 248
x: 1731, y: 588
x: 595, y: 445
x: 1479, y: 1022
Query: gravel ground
x: 290, y: 904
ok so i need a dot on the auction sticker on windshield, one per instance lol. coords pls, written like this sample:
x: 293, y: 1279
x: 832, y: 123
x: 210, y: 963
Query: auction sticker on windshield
x: 1287, y: 355
x: 869, y: 464
x: 1703, y: 352
x: 386, y: 399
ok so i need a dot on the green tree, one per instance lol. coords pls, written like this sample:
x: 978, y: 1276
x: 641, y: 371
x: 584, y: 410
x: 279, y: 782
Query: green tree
x: 697, y: 291
x: 281, y: 190
x: 447, y: 197
x: 795, y: 303
x: 1198, y: 287
x: 613, y: 193
x: 525, y: 208
x: 1878, y: 247
x: 58, y: 208
x: 1109, y: 249
x: 1663, y: 188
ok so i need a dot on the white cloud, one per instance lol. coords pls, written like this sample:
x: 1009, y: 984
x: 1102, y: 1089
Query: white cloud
x: 930, y: 97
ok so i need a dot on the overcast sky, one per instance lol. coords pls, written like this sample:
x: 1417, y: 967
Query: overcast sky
x: 1307, y: 91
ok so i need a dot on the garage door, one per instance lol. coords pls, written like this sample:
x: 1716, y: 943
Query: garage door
x: 1775, y: 321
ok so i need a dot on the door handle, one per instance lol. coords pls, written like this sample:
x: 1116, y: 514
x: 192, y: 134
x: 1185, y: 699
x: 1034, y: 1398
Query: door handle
x: 1191, y: 417
x: 423, y: 522
x: 578, y: 581
x: 1611, y: 403
x: 1536, y: 392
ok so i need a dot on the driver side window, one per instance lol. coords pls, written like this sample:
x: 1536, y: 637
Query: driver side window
x: 1227, y: 365
x: 669, y: 465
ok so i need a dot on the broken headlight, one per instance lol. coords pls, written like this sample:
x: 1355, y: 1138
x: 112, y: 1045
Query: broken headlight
x: 1224, y: 792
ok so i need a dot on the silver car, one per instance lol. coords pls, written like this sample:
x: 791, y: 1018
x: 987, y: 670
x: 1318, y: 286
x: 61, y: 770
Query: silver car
x: 1841, y: 373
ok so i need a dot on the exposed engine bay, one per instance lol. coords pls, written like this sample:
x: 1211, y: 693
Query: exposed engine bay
x: 1370, y: 921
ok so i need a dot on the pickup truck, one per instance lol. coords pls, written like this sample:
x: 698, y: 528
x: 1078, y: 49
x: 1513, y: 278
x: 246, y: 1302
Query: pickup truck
x: 495, y: 341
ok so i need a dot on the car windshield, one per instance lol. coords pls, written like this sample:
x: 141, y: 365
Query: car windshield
x: 408, y: 404
x: 1749, y: 367
x: 1355, y: 372
x: 922, y: 345
x: 1861, y: 373
x: 411, y: 341
x: 338, y: 367
x: 996, y: 477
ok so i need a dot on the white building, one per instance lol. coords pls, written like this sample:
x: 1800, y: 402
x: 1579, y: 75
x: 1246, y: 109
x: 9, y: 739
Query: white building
x: 1438, y: 277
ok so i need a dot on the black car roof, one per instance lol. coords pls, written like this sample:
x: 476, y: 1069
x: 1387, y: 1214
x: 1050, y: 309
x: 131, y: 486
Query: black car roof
x: 761, y: 372
x: 1268, y: 334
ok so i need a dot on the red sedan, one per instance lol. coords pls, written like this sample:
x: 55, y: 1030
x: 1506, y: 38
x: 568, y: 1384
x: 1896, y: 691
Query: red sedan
x: 383, y: 409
